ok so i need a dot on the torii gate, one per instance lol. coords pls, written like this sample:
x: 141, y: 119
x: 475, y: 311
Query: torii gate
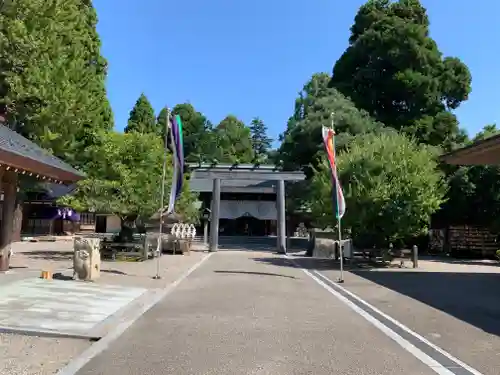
x: 246, y: 172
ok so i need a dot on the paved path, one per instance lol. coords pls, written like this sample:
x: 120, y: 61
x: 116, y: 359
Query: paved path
x: 455, y: 307
x: 248, y: 313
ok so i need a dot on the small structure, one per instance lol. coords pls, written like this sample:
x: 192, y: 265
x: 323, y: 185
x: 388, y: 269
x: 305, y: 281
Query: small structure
x: 483, y: 152
x: 265, y: 182
x: 477, y: 241
x: 20, y: 156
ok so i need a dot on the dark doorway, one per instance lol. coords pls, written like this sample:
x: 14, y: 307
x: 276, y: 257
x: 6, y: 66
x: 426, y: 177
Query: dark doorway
x: 100, y: 224
x: 242, y: 226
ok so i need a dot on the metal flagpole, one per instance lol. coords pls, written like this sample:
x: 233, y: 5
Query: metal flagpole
x: 341, y: 250
x: 162, y: 199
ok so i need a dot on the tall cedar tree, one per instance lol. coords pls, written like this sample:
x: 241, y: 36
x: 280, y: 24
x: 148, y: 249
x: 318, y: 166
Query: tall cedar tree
x: 142, y: 117
x: 302, y: 142
x: 394, y: 70
x: 232, y: 142
x: 52, y: 75
x: 261, y: 143
x: 195, y: 128
x: 302, y: 145
x: 196, y: 131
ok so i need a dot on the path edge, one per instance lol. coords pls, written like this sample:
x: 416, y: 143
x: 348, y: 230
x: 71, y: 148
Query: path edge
x: 77, y: 363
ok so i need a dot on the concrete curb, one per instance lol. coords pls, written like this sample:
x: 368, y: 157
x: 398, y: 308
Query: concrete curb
x: 79, y: 362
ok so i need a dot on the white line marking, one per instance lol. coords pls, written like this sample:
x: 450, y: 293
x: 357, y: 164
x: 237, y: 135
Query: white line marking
x: 416, y: 352
x: 77, y: 363
x: 403, y: 327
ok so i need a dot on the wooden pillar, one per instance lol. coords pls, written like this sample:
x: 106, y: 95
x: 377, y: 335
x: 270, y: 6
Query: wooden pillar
x: 9, y: 188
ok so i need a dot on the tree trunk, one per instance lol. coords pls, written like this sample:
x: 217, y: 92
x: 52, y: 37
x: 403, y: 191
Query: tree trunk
x: 9, y: 203
x: 127, y: 231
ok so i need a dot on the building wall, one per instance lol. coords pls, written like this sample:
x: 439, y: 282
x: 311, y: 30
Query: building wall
x: 113, y: 224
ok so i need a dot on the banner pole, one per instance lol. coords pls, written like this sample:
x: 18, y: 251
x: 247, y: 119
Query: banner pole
x: 159, y: 247
x: 341, y: 250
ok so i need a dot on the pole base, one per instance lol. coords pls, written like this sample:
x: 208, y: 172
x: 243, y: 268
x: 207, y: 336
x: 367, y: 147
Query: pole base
x: 157, y: 277
x: 340, y: 281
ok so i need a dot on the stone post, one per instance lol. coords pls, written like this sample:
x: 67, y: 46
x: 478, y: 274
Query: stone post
x: 205, y: 231
x: 414, y: 255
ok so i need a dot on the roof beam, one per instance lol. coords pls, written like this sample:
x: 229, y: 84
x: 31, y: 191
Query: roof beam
x: 256, y: 175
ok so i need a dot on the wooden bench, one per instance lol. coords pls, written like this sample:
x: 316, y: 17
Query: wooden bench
x: 390, y: 255
x: 401, y: 255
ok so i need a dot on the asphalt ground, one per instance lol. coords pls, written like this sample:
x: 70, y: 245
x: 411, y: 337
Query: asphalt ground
x: 257, y: 313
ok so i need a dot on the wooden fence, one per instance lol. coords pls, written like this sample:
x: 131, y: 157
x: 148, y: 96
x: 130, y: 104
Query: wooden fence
x: 467, y: 241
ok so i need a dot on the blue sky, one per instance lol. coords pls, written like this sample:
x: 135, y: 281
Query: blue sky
x: 250, y: 58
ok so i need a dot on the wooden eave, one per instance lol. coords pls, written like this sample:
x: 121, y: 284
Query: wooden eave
x: 484, y: 152
x: 22, y: 156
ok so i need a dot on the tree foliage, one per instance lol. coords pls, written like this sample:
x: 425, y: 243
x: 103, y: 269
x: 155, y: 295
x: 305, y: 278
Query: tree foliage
x: 161, y: 123
x: 261, y: 143
x: 196, y: 130
x: 394, y: 70
x: 126, y: 183
x: 142, y: 117
x: 391, y: 187
x: 302, y: 139
x: 52, y: 75
x: 232, y: 142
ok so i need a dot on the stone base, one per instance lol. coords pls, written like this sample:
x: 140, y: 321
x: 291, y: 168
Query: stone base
x: 325, y: 248
x: 328, y: 248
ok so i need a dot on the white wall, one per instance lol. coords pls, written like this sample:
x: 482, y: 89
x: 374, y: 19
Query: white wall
x: 113, y: 224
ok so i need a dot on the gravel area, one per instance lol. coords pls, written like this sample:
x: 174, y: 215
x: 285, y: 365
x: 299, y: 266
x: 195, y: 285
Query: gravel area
x: 31, y: 355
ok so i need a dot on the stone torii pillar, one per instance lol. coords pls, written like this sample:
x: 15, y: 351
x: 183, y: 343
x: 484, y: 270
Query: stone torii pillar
x: 281, y: 217
x: 214, y: 217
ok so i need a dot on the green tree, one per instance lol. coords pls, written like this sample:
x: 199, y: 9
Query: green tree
x: 52, y: 81
x: 302, y: 139
x: 261, y: 143
x: 487, y: 132
x: 391, y: 186
x: 52, y: 75
x: 231, y: 142
x: 142, y: 117
x: 161, y: 122
x: 394, y: 70
x: 127, y: 183
x: 196, y: 130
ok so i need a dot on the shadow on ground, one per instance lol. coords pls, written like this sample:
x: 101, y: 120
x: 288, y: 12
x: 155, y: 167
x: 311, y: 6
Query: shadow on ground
x: 61, y: 276
x: 470, y: 297
x: 320, y: 264
x: 254, y: 273
x: 48, y: 254
x: 114, y: 272
x: 254, y: 248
